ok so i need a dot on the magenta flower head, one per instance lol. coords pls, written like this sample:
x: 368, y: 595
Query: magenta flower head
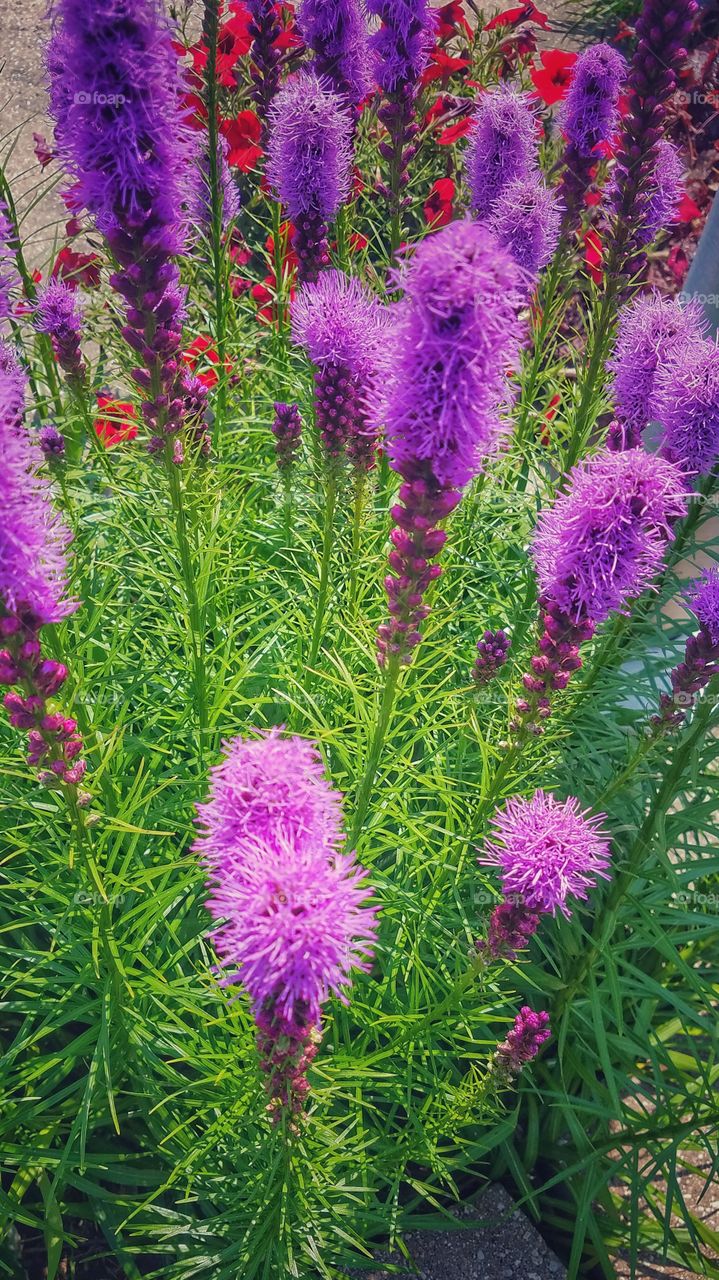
x: 523, y: 1042
x: 294, y: 908
x: 588, y: 116
x: 337, y: 34
x: 403, y: 43
x: 703, y: 596
x: 547, y: 851
x: 455, y: 336
x: 502, y: 147
x: 309, y: 163
x: 603, y: 540
x: 9, y: 277
x: 686, y: 403
x: 652, y: 330
x: 526, y: 219
x: 701, y: 655
x: 58, y: 313
x: 341, y: 327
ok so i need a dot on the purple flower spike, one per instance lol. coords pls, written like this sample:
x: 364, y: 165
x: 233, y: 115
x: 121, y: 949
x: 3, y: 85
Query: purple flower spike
x: 529, y: 1033
x: 294, y: 913
x: 588, y: 117
x: 605, y: 537
x: 341, y: 327
x: 116, y: 97
x: 511, y: 925
x: 9, y: 277
x: 492, y: 653
x: 58, y: 313
x: 664, y: 194
x: 338, y: 36
x: 201, y: 199
x: 526, y: 218
x: 287, y: 430
x: 309, y: 164
x: 265, y: 29
x: 701, y: 655
x: 686, y: 403
x: 502, y: 147
x: 456, y: 333
x: 403, y: 43
x: 652, y: 330
x: 13, y: 386
x: 547, y: 851
x: 52, y: 443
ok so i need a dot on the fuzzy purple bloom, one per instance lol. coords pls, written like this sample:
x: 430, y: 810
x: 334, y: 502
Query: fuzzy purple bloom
x: 652, y: 330
x: 547, y: 851
x: 502, y: 147
x: 341, y: 327
x: 523, y: 1042
x: 686, y: 403
x: 9, y: 277
x: 603, y: 540
x: 526, y: 219
x: 701, y: 655
x: 703, y: 596
x: 293, y: 907
x: 663, y: 195
x: 589, y: 115
x: 336, y: 32
x: 403, y: 43
x: 58, y: 313
x: 309, y: 163
x: 13, y: 386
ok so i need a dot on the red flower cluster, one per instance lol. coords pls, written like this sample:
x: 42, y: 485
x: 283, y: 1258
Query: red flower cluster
x: 202, y: 355
x: 439, y: 207
x: 116, y: 422
x: 515, y: 17
x: 551, y: 80
x: 243, y: 135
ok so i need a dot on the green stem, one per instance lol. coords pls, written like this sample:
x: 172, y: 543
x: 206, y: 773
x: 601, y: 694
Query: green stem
x: 330, y: 505
x: 195, y: 623
x: 539, y: 347
x: 584, y: 417
x: 279, y: 265
x: 389, y: 693
x: 360, y: 482
x: 211, y: 32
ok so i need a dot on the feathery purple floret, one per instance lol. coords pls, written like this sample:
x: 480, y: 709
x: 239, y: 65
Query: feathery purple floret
x: 33, y: 537
x: 336, y: 32
x: 652, y: 330
x: 13, y: 387
x: 686, y: 403
x: 58, y: 313
x: 526, y: 219
x: 523, y: 1042
x: 309, y: 163
x: 603, y: 540
x: 403, y: 43
x: 703, y: 596
x: 294, y: 913
x: 661, y: 201
x: 589, y: 115
x: 456, y: 333
x: 502, y: 147
x: 9, y: 277
x: 700, y: 663
x: 547, y: 851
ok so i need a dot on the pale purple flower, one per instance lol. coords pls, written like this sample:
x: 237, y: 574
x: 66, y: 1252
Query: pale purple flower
x: 547, y: 851
x: 661, y: 202
x: 294, y: 913
x: 502, y: 147
x: 456, y: 333
x: 523, y: 1042
x: 589, y: 115
x: 703, y: 596
x: 336, y: 32
x: 652, y: 330
x: 604, y: 538
x: 686, y: 403
x: 526, y: 219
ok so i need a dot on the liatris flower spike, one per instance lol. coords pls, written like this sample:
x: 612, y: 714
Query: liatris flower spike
x: 58, y: 313
x: 9, y: 277
x: 511, y: 925
x: 525, y: 218
x: 338, y: 37
x: 265, y: 30
x: 502, y: 147
x: 309, y: 164
x: 523, y: 1042
x: 33, y: 593
x: 456, y: 333
x: 116, y: 96
x: 652, y: 330
x: 588, y: 118
x: 341, y: 327
x: 686, y: 403
x: 52, y: 443
x: 287, y: 430
x: 14, y: 386
x: 662, y: 199
x: 295, y: 919
x: 492, y: 653
x: 547, y: 851
x: 701, y: 655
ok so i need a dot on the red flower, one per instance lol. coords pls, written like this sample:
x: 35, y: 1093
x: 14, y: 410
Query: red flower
x: 678, y: 263
x: 357, y: 242
x: 551, y: 80
x: 438, y: 208
x: 43, y: 151
x: 454, y: 132
x: 243, y: 137
x: 593, y: 255
x: 592, y: 198
x: 688, y: 209
x: 204, y: 352
x: 549, y: 416
x: 442, y: 65
x: 442, y: 105
x: 523, y: 13
x: 77, y: 268
x: 452, y: 20
x: 233, y: 42
x: 116, y: 421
